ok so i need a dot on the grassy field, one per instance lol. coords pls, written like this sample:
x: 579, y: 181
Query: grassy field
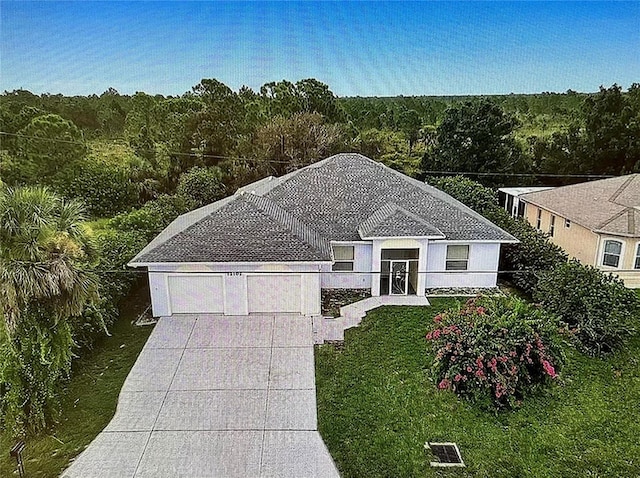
x: 377, y: 407
x: 90, y: 398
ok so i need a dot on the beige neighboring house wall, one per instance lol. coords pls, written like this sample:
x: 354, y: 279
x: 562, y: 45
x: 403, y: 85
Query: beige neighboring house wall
x: 578, y: 241
x: 597, y: 211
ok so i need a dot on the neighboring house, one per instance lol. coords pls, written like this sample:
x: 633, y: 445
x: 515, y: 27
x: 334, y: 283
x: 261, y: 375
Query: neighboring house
x: 346, y: 222
x: 597, y: 222
x: 509, y: 199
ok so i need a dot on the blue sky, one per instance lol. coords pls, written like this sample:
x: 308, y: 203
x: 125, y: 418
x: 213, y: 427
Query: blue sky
x: 359, y: 48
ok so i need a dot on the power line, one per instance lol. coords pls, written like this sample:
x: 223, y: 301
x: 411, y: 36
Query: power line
x: 546, y: 175
x: 525, y: 271
x: 275, y: 161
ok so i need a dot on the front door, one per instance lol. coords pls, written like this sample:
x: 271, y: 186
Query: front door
x: 399, y: 273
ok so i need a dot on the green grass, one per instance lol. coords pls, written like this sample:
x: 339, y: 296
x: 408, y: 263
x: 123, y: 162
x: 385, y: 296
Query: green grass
x: 90, y: 398
x: 377, y: 406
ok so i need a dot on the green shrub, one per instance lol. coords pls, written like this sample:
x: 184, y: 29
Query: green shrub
x: 596, y: 306
x: 495, y: 351
x: 201, y: 186
x: 533, y: 255
x: 478, y: 197
x: 153, y: 217
x: 106, y: 189
x: 34, y: 362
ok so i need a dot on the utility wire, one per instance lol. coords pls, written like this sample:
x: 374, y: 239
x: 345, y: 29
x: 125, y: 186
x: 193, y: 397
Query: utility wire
x: 132, y: 271
x: 240, y: 158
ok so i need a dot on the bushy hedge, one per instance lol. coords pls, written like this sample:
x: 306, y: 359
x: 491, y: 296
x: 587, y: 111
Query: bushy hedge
x: 600, y: 311
x: 153, y: 217
x: 201, y: 186
x: 534, y: 254
x: 495, y: 351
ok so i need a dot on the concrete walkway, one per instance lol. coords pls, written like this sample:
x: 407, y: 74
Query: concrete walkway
x: 329, y: 329
x: 213, y: 396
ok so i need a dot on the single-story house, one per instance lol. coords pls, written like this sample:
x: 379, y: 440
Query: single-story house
x: 596, y: 222
x: 346, y: 222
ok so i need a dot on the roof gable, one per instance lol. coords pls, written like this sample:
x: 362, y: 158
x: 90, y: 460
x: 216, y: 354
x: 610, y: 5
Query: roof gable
x: 393, y: 221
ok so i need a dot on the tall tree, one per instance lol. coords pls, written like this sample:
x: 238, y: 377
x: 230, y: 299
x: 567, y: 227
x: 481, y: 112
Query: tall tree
x: 46, y: 145
x: 612, y: 131
x: 43, y: 288
x: 476, y: 136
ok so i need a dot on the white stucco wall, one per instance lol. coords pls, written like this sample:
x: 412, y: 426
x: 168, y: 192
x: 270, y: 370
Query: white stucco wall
x: 355, y: 279
x: 234, y: 277
x: 482, y: 257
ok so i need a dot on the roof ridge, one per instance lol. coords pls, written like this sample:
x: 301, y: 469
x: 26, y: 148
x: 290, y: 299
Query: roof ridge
x: 621, y: 189
x: 291, y: 222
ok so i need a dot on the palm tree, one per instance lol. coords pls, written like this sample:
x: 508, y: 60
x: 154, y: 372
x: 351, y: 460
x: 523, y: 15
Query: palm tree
x: 41, y: 243
x: 42, y: 287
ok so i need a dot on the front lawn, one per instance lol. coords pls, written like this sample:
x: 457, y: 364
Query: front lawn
x: 377, y: 407
x: 90, y: 399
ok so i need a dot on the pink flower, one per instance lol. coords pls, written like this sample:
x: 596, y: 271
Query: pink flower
x: 444, y: 384
x: 479, y: 363
x: 469, y: 369
x: 429, y: 336
x: 457, y: 378
x: 549, y: 369
x: 480, y: 374
x: 437, y: 319
x: 480, y: 310
x: 436, y: 333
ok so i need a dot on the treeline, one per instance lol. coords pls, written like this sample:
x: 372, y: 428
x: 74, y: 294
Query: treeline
x: 234, y: 138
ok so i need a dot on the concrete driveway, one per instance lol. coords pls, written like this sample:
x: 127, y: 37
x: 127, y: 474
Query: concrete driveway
x: 213, y: 396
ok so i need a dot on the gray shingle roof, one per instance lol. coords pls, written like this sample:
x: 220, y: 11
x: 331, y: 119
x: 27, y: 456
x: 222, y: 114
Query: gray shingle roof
x: 293, y: 218
x: 393, y: 221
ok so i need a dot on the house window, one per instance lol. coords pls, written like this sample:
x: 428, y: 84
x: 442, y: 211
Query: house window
x: 343, y: 257
x: 612, y: 252
x: 539, y: 220
x: 636, y: 264
x: 552, y: 225
x: 457, y: 257
x: 567, y: 223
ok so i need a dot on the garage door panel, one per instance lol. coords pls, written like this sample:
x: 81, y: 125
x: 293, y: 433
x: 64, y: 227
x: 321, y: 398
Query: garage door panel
x: 196, y: 294
x: 274, y: 293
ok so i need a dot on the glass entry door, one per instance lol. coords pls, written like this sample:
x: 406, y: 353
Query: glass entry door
x: 399, y: 275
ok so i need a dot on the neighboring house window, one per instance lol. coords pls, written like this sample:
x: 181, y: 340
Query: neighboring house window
x: 343, y: 256
x: 567, y: 223
x: 636, y: 264
x: 539, y: 220
x: 521, y: 209
x: 612, y: 252
x: 552, y: 225
x: 457, y: 257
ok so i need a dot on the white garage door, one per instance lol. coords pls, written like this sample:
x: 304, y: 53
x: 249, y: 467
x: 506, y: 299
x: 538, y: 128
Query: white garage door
x: 274, y: 293
x: 196, y: 294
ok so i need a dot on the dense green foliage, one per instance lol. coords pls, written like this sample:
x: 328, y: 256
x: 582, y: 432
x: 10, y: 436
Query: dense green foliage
x: 527, y: 259
x: 201, y: 186
x: 43, y: 287
x: 476, y: 136
x: 600, y: 311
x: 377, y: 406
x: 495, y: 351
x: 88, y: 400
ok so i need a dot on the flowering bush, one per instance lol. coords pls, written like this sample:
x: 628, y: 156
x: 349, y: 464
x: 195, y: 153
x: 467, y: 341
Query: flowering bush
x: 495, y: 350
